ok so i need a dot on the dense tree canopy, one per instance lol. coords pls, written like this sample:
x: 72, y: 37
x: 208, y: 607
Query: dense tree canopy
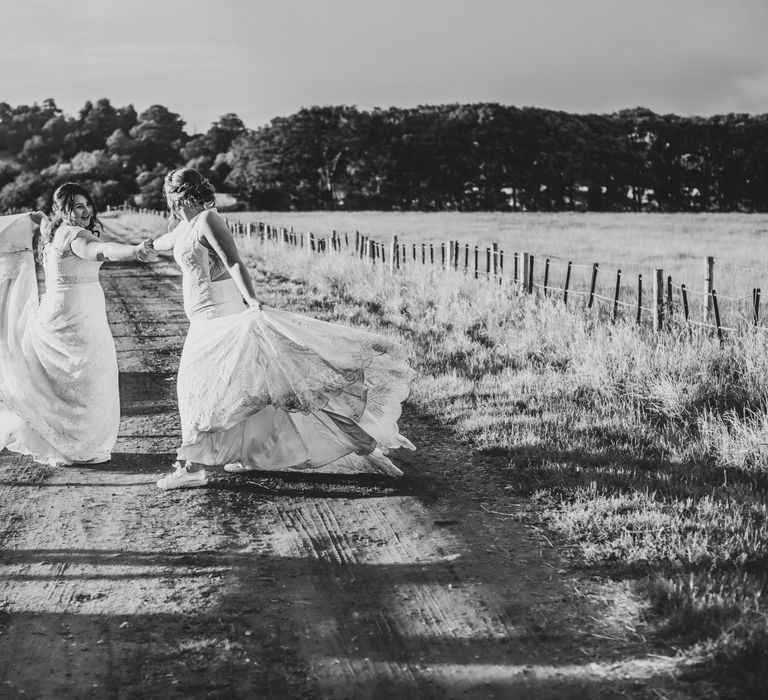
x: 440, y: 157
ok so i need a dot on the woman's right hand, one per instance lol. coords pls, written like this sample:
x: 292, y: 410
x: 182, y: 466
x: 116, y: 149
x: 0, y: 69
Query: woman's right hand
x: 40, y: 221
x: 145, y: 252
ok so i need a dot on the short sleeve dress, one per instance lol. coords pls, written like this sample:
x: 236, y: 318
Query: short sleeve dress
x: 59, y: 399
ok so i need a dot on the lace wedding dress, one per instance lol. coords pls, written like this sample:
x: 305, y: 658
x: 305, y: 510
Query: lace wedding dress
x: 276, y: 390
x: 59, y: 397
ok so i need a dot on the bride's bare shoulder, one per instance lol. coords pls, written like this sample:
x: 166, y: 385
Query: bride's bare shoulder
x: 210, y: 216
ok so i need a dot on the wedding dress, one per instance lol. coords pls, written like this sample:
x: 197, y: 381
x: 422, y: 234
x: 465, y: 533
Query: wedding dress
x: 277, y: 390
x: 59, y: 398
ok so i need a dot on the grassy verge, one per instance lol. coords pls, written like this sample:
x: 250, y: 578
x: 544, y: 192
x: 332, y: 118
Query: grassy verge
x: 646, y: 453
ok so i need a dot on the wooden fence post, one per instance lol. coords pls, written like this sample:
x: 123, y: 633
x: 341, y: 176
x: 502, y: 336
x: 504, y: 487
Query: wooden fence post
x: 716, y: 308
x: 393, y: 251
x: 567, y: 282
x: 487, y: 263
x: 709, y: 285
x: 477, y: 259
x: 592, y: 286
x: 524, y: 280
x: 495, y: 259
x: 515, y: 268
x: 756, y: 305
x: 530, y: 273
x: 546, y: 277
x: 658, y: 299
x: 639, y: 299
x: 669, y: 300
x: 466, y: 258
x: 616, y: 295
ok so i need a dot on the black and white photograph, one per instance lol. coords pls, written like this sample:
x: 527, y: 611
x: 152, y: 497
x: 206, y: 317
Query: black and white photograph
x: 364, y: 350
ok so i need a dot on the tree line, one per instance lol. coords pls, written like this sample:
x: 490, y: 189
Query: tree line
x: 477, y: 157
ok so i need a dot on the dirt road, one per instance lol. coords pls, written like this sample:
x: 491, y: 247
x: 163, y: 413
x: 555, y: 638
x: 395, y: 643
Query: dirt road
x: 288, y: 586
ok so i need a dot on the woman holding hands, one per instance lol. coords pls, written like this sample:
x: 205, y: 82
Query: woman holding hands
x: 260, y: 388
x: 59, y: 399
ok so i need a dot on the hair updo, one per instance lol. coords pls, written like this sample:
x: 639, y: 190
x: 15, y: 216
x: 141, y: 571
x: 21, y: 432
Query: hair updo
x: 186, y: 187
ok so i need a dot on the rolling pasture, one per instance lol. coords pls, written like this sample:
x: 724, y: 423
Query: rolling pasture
x: 627, y: 247
x: 636, y: 243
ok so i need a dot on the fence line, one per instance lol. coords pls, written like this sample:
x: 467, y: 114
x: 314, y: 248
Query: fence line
x: 521, y: 276
x: 670, y: 302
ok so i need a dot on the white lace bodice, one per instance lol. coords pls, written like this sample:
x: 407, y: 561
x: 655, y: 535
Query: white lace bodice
x: 62, y: 267
x: 202, y: 298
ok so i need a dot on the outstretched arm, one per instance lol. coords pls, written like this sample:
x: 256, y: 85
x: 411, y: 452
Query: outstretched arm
x: 215, y: 231
x: 88, y: 247
x: 166, y: 241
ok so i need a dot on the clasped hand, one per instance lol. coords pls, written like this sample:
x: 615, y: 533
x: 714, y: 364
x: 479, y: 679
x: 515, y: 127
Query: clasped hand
x: 145, y: 252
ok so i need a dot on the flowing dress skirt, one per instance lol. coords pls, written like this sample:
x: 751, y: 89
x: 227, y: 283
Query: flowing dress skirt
x: 59, y: 398
x: 276, y: 390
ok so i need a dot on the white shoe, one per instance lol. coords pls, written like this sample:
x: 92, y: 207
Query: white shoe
x: 238, y: 468
x: 181, y: 478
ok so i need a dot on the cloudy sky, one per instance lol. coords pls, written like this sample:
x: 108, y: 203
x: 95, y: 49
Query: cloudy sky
x: 203, y: 58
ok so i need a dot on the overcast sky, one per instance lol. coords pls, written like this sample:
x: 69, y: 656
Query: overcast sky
x: 203, y: 58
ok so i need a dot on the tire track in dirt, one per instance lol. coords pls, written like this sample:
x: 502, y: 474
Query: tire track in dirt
x: 277, y: 585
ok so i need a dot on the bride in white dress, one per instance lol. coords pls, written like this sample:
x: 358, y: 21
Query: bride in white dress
x: 260, y: 388
x: 59, y: 397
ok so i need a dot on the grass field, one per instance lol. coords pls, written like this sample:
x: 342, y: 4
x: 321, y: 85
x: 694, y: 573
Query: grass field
x: 644, y: 455
x: 678, y: 243
x: 635, y: 243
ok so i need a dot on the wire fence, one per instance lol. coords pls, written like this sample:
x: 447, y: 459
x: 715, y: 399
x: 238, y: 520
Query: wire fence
x: 653, y: 299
